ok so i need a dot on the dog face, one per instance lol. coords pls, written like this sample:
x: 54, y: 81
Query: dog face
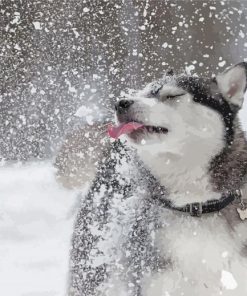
x: 179, y: 125
x: 173, y: 122
x: 185, y: 114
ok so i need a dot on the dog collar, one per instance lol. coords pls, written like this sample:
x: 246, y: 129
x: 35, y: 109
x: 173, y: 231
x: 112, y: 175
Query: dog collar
x: 197, y: 209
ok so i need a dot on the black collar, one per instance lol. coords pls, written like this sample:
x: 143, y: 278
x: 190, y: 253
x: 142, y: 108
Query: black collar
x: 197, y: 209
x: 160, y: 195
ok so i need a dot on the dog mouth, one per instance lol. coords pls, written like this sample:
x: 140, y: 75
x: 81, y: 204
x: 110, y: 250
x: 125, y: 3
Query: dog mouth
x: 131, y: 128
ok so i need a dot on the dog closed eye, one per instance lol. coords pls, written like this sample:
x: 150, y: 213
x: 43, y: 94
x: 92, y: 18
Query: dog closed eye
x: 171, y: 97
x: 156, y: 91
x: 165, y: 97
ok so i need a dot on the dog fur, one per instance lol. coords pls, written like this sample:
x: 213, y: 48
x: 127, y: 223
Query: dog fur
x: 126, y: 242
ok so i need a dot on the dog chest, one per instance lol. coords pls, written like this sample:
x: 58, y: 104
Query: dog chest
x: 206, y: 256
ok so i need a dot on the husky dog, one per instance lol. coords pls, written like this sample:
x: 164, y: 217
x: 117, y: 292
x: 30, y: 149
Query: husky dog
x: 166, y: 212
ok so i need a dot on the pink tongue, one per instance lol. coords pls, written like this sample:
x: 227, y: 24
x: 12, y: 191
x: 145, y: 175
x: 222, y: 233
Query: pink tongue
x: 124, y: 128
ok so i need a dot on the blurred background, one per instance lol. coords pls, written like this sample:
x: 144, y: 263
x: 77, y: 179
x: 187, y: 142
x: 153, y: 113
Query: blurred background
x: 59, y: 55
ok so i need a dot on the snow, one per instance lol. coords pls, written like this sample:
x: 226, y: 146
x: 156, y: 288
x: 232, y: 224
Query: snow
x: 165, y: 45
x: 37, y: 25
x: 241, y: 34
x: 33, y: 90
x: 142, y: 28
x: 222, y: 64
x: 17, y: 47
x: 86, y: 9
x: 228, y: 280
x: 89, y: 114
x: 189, y: 69
x: 83, y: 111
x: 224, y: 254
x: 75, y: 32
x: 16, y: 18
x: 36, y: 222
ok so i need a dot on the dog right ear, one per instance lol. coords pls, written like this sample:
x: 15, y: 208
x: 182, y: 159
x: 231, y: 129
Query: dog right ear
x: 232, y: 83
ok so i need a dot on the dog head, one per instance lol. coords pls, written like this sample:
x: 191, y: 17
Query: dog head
x: 181, y: 113
x: 180, y: 125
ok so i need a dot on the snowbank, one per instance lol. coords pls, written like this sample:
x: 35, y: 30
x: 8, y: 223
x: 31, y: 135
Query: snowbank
x: 36, y: 222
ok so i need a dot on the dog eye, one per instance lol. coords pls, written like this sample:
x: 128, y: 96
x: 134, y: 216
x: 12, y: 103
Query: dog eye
x: 156, y: 91
x: 170, y: 97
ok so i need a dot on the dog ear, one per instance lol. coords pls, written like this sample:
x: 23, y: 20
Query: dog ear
x: 232, y: 83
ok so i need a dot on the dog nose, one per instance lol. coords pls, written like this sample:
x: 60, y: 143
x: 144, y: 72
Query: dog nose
x: 123, y: 105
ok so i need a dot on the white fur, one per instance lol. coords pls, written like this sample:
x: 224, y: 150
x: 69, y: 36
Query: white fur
x: 180, y: 158
x: 201, y: 250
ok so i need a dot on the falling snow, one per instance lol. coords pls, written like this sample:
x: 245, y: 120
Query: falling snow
x: 228, y: 280
x: 165, y: 45
x: 222, y: 64
x: 37, y: 25
x: 59, y: 48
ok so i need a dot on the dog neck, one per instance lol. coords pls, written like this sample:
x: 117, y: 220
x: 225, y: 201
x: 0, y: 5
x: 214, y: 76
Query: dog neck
x: 185, y: 180
x: 200, y: 172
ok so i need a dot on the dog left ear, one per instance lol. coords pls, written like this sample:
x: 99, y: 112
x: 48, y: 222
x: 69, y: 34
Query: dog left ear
x: 232, y: 83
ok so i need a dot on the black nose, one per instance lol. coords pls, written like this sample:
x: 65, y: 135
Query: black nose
x: 123, y: 105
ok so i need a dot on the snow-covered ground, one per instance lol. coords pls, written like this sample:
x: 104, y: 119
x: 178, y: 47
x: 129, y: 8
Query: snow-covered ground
x: 36, y: 222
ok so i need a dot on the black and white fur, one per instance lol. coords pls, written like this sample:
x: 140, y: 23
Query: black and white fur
x: 125, y: 241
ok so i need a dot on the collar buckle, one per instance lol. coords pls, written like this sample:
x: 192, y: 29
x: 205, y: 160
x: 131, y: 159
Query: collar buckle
x: 196, y: 209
